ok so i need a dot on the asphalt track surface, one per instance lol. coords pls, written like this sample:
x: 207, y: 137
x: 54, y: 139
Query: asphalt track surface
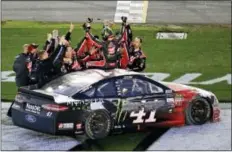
x: 16, y: 138
x: 158, y: 11
x: 75, y: 11
x: 202, y: 12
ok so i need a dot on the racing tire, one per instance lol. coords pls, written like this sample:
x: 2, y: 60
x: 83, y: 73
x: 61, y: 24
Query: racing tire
x: 98, y: 124
x: 198, y: 112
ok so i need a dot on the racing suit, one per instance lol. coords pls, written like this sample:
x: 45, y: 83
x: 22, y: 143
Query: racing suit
x: 110, y: 56
x: 106, y: 31
x: 137, y: 60
x: 88, y: 50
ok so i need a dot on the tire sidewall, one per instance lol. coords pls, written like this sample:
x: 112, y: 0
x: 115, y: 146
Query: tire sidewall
x: 88, y: 129
x: 188, y: 117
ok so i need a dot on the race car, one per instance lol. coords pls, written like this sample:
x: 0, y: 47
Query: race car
x: 98, y: 103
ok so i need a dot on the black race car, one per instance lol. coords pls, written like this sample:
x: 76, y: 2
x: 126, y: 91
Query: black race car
x: 96, y: 103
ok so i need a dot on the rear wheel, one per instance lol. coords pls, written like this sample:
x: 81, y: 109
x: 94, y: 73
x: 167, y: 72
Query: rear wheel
x: 98, y: 124
x: 198, y: 112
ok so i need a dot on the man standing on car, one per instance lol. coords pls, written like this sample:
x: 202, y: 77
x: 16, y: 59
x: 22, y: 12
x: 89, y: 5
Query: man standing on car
x: 23, y: 62
x: 110, y: 53
x: 107, y: 30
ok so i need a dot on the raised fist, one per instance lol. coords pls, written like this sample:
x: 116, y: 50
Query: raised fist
x: 49, y: 37
x: 71, y: 27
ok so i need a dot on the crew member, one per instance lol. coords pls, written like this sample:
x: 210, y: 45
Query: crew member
x: 48, y: 67
x: 107, y: 30
x: 110, y: 53
x: 23, y: 62
x: 70, y: 62
x: 137, y: 58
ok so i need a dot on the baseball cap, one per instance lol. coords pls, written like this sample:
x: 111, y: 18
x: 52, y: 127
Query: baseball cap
x: 32, y: 46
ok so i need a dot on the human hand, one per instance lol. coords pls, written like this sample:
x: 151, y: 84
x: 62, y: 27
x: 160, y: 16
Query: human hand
x: 49, y: 37
x: 55, y: 34
x: 63, y: 41
x: 71, y: 27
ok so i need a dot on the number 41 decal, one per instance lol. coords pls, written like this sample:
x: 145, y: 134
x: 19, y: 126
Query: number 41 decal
x: 140, y: 116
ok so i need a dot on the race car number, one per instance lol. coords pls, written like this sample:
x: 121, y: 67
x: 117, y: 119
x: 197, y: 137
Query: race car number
x: 139, y: 116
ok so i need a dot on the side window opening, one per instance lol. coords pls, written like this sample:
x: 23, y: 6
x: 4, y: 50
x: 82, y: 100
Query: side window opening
x: 136, y: 87
x: 124, y: 87
x: 106, y: 90
x: 90, y: 92
x: 87, y: 94
x: 155, y: 89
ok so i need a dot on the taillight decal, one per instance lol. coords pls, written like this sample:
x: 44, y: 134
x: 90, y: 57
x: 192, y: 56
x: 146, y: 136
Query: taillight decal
x: 54, y: 107
x: 20, y: 98
x: 78, y: 125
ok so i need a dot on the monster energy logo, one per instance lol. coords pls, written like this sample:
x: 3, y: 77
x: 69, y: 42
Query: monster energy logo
x: 119, y: 111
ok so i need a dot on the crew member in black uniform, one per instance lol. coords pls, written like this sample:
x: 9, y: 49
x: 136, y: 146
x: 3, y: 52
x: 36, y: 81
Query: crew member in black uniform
x: 23, y: 62
x: 48, y: 67
x: 137, y: 58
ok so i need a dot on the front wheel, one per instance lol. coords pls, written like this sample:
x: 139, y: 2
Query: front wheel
x: 98, y: 124
x: 198, y: 112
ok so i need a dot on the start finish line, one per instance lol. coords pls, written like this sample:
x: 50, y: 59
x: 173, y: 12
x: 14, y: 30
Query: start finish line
x: 8, y: 76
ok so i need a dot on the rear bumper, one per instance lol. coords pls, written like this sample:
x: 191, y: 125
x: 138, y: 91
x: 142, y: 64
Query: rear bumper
x: 38, y: 123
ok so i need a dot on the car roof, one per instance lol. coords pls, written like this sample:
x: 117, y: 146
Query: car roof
x: 82, y: 79
x: 95, y: 75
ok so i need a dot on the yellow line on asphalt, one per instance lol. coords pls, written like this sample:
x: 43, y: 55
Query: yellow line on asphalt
x: 145, y: 7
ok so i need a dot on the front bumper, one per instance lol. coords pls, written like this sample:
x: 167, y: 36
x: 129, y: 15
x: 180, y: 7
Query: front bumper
x: 216, y: 113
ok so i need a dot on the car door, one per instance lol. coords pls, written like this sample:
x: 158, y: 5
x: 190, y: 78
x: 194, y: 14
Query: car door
x: 140, y: 100
x: 102, y: 95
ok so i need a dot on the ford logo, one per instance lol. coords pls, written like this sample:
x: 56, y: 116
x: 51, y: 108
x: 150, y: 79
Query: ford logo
x: 30, y: 118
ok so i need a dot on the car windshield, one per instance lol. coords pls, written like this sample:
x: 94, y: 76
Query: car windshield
x: 72, y: 83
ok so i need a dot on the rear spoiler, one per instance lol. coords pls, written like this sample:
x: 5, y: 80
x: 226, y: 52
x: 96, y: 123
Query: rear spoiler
x: 38, y: 94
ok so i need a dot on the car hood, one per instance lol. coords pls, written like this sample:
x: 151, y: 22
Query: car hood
x: 181, y: 87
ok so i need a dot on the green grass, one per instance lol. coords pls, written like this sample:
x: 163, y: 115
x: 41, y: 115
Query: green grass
x: 206, y: 50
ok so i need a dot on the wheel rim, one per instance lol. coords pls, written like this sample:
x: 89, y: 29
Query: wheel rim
x: 199, y: 111
x: 98, y: 124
